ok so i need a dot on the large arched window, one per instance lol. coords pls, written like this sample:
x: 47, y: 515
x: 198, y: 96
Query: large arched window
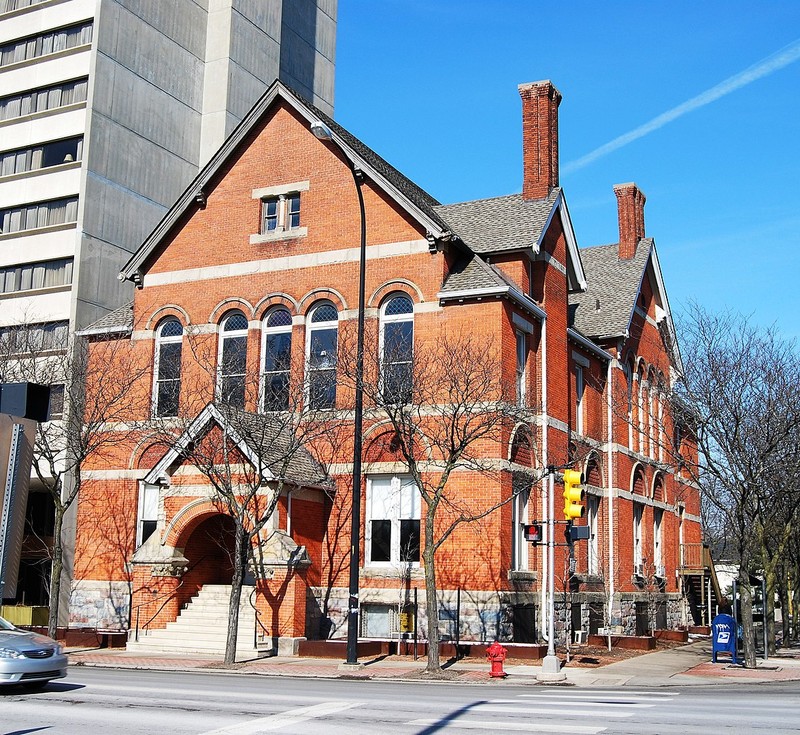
x: 233, y: 359
x: 397, y: 349
x: 167, y: 368
x: 277, y: 359
x: 323, y: 334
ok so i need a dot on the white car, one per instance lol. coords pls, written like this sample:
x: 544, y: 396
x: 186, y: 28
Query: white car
x: 29, y: 659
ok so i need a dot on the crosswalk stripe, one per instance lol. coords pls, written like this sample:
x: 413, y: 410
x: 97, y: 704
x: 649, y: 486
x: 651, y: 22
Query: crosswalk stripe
x: 546, y: 711
x: 292, y: 717
x: 499, y: 726
x: 616, y: 693
x: 577, y: 703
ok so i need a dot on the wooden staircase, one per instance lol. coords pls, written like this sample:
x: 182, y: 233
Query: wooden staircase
x: 700, y: 583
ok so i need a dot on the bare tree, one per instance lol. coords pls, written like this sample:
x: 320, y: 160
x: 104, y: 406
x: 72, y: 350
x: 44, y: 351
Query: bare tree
x: 90, y: 397
x: 740, y: 393
x: 249, y: 459
x: 447, y: 412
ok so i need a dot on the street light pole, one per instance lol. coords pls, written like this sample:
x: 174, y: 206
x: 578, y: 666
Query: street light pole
x: 323, y: 132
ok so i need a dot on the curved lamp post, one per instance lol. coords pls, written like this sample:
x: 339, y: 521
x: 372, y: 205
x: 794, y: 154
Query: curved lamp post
x: 323, y: 132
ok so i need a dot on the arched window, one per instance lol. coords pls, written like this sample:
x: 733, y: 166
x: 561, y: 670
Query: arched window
x: 167, y: 368
x: 397, y: 349
x: 323, y: 333
x: 277, y: 359
x: 629, y: 410
x: 233, y: 359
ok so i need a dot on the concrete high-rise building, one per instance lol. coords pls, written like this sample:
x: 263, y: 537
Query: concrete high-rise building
x: 108, y: 110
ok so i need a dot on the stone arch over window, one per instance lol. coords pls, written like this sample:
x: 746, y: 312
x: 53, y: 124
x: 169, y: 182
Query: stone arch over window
x: 322, y: 342
x: 233, y: 303
x: 521, y: 451
x: 659, y: 489
x: 593, y: 472
x: 168, y: 310
x: 638, y: 482
x: 413, y: 291
x: 267, y: 303
x: 310, y: 301
x: 232, y: 362
x: 147, y: 454
x: 397, y: 348
x: 167, y: 367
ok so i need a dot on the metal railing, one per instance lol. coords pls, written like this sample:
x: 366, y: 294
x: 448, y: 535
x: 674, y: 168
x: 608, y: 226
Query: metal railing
x: 258, y: 623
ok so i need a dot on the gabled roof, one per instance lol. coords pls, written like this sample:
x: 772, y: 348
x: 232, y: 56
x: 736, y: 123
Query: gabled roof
x: 419, y: 204
x: 471, y: 277
x: 254, y: 434
x: 605, y: 310
x: 507, y: 223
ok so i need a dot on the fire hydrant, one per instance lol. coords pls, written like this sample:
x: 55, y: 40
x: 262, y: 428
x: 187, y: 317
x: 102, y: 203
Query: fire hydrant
x: 496, y: 654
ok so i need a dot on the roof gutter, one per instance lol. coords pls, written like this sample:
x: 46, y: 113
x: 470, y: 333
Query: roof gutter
x: 499, y: 292
x: 587, y: 344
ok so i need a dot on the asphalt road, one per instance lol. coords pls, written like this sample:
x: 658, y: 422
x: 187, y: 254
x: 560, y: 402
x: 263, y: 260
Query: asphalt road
x: 95, y: 701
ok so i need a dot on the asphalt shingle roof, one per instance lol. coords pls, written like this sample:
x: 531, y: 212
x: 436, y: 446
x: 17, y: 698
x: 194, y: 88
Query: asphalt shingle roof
x: 605, y: 308
x: 501, y: 223
x: 119, y: 320
x: 470, y: 272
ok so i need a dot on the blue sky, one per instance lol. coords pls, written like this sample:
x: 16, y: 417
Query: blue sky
x: 710, y: 92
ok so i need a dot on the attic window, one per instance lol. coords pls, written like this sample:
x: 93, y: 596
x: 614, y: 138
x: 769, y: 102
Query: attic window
x: 279, y: 212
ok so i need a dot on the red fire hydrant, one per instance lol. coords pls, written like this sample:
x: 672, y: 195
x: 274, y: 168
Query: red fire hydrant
x: 496, y: 654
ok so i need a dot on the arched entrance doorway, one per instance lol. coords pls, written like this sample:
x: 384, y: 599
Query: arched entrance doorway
x: 209, y: 551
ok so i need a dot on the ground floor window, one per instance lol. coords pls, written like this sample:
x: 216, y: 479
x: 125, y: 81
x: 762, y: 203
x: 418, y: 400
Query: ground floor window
x: 393, y: 511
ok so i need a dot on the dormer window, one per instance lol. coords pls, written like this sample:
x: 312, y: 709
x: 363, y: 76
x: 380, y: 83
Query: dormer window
x: 280, y: 212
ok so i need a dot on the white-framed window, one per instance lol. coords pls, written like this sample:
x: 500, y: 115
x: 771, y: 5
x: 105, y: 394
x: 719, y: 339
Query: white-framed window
x: 522, y: 362
x: 593, y: 549
x: 232, y: 359
x: 147, y: 517
x: 520, y: 546
x: 651, y: 424
x: 321, y: 355
x: 628, y: 370
x: 43, y: 99
x: 392, y: 521
x: 55, y: 409
x: 280, y: 212
x: 277, y: 359
x: 638, y: 559
x: 658, y: 555
x: 34, y: 338
x: 579, y: 390
x: 397, y: 349
x: 167, y: 368
x: 640, y: 412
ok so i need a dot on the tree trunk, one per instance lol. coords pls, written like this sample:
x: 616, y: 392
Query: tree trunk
x: 746, y: 619
x: 769, y: 607
x: 239, y: 569
x: 431, y: 598
x: 56, y: 567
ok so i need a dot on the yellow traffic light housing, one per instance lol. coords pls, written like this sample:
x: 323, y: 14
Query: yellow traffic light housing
x: 573, y: 495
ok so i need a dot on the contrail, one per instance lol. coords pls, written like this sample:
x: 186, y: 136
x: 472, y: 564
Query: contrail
x: 763, y: 68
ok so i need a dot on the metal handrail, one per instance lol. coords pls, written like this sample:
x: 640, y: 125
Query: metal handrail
x: 258, y: 622
x: 168, y: 595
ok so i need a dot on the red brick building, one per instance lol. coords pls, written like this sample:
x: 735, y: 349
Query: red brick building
x: 257, y: 262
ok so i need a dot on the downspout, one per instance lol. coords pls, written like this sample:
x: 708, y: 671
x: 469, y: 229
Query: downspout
x: 610, y: 486
x: 546, y: 485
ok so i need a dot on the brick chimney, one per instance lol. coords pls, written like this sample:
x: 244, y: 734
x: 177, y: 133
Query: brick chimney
x: 630, y: 212
x: 540, y: 102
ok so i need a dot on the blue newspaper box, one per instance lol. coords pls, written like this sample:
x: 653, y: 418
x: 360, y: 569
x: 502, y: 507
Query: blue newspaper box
x: 723, y: 637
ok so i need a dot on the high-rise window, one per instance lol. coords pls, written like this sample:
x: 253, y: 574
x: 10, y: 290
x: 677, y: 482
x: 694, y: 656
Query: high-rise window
x: 38, y: 214
x: 397, y: 349
x: 323, y: 337
x: 43, y: 44
x: 233, y: 359
x: 167, y: 389
x: 34, y: 338
x: 277, y: 359
x: 43, y: 99
x: 30, y: 276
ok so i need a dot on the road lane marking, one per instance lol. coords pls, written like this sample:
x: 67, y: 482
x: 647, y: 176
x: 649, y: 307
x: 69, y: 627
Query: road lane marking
x: 283, y: 719
x: 655, y: 696
x: 498, y: 726
x: 576, y: 703
x: 545, y: 711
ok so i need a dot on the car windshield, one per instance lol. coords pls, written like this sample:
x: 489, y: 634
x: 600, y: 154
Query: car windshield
x: 5, y: 625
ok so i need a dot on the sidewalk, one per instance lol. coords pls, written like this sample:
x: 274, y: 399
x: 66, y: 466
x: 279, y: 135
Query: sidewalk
x: 685, y: 665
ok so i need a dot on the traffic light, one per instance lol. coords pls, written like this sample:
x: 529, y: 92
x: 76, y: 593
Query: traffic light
x: 533, y: 533
x: 573, y: 495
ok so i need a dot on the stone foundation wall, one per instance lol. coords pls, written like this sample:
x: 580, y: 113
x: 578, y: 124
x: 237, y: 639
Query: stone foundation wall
x: 96, y: 604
